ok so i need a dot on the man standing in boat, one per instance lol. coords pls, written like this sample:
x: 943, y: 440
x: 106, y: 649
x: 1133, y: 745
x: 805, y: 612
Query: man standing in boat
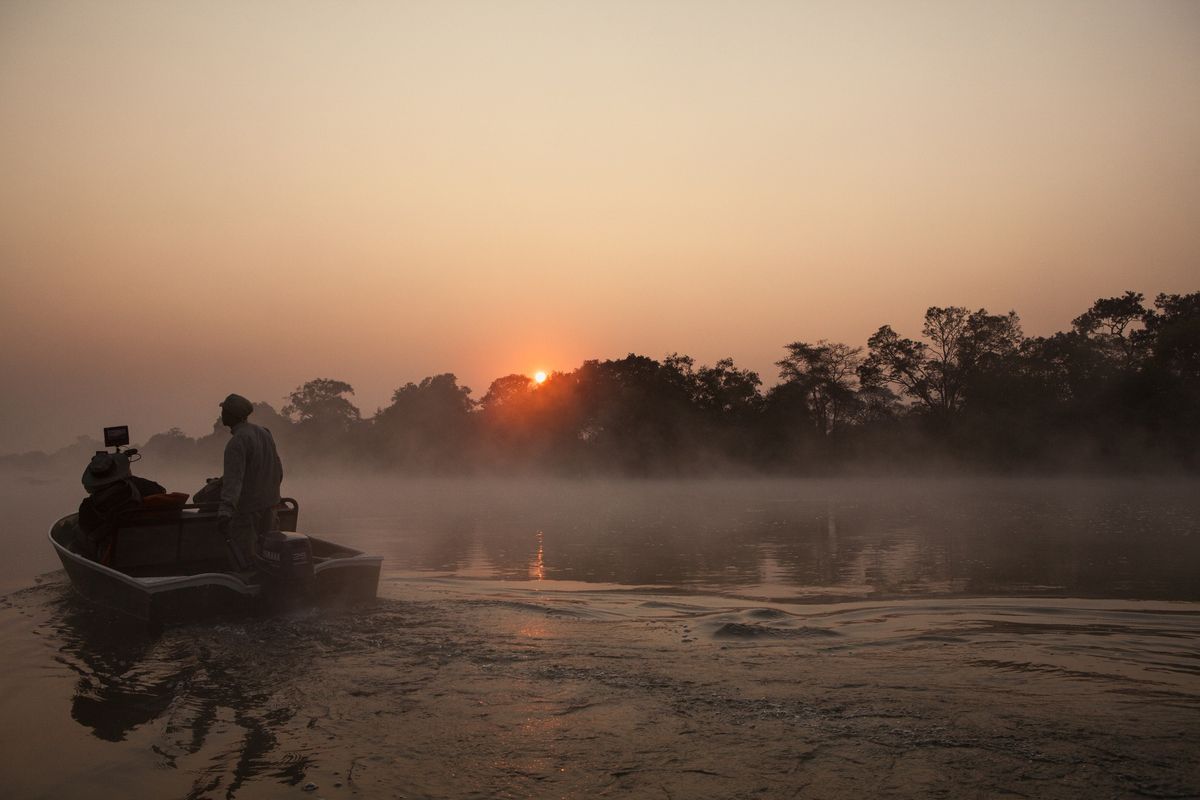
x: 250, y: 483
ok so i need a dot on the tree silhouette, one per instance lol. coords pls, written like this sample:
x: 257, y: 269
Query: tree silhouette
x: 1173, y: 333
x: 172, y: 445
x: 1111, y: 323
x: 724, y: 391
x: 825, y: 374
x: 428, y: 424
x: 325, y: 420
x: 321, y: 402
x: 506, y: 393
x: 1120, y: 389
x: 961, y: 345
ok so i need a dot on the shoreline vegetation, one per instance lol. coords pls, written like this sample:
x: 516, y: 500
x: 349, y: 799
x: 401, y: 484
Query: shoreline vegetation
x: 1117, y: 393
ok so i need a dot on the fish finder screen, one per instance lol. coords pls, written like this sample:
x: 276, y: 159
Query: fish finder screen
x: 116, y: 437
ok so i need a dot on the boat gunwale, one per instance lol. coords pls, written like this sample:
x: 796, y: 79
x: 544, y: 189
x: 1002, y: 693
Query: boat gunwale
x: 156, y: 584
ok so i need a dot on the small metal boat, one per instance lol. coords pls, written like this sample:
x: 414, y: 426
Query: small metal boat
x: 172, y: 565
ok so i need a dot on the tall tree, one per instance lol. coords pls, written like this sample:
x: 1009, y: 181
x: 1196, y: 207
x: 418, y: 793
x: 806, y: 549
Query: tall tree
x: 322, y: 402
x: 633, y: 414
x: 507, y: 392
x: 727, y: 392
x: 1111, y: 323
x: 171, y: 446
x: 1173, y: 333
x: 937, y: 373
x: 826, y: 374
x: 428, y: 424
x: 1170, y: 385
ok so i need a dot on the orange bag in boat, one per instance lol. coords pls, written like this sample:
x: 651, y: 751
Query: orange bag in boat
x: 166, y: 500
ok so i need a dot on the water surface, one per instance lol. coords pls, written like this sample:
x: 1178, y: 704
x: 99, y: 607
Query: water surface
x: 818, y: 639
x: 784, y: 539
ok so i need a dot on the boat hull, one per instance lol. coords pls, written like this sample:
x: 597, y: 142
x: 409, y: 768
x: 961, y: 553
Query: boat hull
x: 343, y: 576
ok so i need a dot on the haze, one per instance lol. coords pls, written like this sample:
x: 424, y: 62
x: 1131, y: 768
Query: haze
x: 213, y: 197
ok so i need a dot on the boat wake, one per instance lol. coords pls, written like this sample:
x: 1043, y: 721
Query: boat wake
x: 451, y: 687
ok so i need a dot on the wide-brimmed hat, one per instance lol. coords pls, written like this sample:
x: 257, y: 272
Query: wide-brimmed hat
x: 237, y: 405
x: 104, y: 469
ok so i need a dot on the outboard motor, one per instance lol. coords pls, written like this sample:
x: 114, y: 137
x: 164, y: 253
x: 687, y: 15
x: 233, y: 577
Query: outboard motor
x: 286, y: 564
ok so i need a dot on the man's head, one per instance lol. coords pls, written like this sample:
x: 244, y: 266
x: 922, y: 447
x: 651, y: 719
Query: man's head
x: 235, y: 409
x: 105, y: 468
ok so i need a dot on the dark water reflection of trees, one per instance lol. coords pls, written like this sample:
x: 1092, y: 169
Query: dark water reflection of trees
x: 1087, y: 538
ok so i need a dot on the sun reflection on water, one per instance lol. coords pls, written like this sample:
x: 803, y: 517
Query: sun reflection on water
x: 537, y: 568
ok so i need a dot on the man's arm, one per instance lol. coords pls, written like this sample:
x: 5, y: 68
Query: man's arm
x: 234, y: 476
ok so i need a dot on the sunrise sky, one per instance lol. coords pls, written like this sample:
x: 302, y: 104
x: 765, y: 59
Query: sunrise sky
x: 205, y: 197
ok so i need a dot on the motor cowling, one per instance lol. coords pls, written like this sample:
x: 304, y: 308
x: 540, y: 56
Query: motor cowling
x: 286, y: 563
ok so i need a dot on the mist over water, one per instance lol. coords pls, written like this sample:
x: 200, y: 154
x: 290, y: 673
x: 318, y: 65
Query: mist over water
x: 785, y: 539
x: 780, y: 539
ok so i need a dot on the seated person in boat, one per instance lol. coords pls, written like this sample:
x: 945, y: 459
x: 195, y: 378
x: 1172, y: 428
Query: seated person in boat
x: 251, y: 479
x: 112, y: 490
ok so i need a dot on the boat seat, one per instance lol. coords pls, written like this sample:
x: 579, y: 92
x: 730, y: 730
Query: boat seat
x: 147, y: 538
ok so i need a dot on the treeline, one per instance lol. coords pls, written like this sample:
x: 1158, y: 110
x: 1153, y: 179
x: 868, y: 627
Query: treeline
x: 1118, y: 391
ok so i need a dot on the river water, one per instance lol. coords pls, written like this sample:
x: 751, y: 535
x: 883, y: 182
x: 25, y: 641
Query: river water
x: 757, y: 638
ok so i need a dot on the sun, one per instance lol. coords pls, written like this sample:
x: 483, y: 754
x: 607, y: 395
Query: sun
x: 539, y: 377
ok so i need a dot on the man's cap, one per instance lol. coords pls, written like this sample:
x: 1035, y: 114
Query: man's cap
x: 105, y: 468
x: 237, y: 405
